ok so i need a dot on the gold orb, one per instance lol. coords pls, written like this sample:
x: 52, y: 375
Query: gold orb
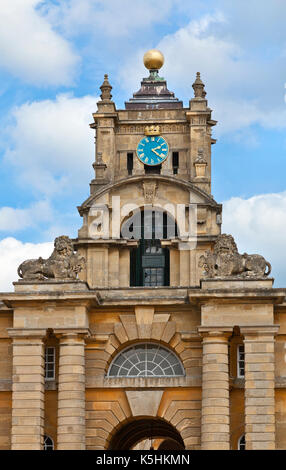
x: 153, y: 59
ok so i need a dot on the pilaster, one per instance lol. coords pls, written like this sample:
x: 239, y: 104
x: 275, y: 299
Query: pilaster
x: 71, y: 390
x: 259, y: 387
x: 28, y: 389
x: 215, y: 432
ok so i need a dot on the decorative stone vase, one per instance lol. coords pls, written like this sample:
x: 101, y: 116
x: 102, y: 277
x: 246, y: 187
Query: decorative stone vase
x: 200, y: 169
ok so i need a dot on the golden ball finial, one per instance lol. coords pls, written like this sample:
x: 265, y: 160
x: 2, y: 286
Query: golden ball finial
x: 153, y: 59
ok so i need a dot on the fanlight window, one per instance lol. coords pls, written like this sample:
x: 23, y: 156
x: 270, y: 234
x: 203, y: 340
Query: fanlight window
x: 146, y: 360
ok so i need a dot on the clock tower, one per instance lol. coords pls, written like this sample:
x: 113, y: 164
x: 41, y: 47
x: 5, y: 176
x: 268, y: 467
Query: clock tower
x: 156, y: 154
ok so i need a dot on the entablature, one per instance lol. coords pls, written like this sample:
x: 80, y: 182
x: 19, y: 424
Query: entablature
x: 139, y: 295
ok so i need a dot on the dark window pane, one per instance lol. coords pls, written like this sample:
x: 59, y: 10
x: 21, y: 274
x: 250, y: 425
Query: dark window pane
x: 114, y: 370
x: 130, y: 163
x: 175, y: 161
x: 178, y: 369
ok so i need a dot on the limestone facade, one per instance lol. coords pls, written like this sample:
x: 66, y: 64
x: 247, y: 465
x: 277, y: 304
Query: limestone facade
x: 227, y: 333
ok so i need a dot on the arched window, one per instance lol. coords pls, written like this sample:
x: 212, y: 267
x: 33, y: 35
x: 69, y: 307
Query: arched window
x: 146, y: 360
x: 48, y: 443
x: 149, y: 263
x: 241, y: 442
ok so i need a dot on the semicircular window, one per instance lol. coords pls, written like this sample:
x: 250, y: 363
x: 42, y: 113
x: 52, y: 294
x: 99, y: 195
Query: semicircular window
x: 146, y: 360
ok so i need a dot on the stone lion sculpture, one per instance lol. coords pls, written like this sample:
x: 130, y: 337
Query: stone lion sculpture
x: 62, y: 264
x: 225, y: 261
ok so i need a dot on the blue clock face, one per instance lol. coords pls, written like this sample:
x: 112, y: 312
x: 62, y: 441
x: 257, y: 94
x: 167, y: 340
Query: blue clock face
x: 152, y: 150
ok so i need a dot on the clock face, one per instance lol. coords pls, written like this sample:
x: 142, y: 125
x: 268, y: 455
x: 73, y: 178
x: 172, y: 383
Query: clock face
x: 152, y: 150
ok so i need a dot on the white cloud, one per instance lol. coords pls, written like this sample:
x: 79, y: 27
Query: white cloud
x: 108, y: 18
x: 30, y: 49
x: 12, y: 253
x: 259, y: 225
x: 56, y: 146
x: 13, y: 220
x: 254, y: 25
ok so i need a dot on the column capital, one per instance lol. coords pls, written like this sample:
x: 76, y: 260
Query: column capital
x: 259, y: 330
x: 64, y: 333
x: 215, y: 331
x: 27, y: 333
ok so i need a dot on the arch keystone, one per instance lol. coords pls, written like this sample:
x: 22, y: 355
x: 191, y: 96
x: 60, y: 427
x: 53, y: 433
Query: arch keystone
x: 144, y: 402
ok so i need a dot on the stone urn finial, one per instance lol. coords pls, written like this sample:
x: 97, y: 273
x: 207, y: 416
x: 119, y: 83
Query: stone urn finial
x: 199, y: 87
x: 200, y: 164
x: 99, y: 158
x: 106, y: 89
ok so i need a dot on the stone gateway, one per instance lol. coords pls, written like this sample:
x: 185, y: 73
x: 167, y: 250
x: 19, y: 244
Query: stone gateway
x: 148, y: 330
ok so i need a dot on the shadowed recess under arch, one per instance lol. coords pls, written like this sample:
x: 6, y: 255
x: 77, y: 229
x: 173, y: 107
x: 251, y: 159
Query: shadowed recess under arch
x: 129, y: 434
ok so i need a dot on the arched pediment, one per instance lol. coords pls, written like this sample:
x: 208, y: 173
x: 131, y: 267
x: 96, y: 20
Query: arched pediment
x: 166, y: 188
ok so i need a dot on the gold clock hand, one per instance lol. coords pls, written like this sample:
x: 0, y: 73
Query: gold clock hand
x: 160, y: 146
x: 153, y: 150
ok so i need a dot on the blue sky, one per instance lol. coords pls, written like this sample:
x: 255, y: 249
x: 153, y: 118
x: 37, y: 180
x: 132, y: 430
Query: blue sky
x: 53, y: 55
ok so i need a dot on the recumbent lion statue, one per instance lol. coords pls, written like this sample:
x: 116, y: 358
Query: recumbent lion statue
x: 225, y: 261
x: 62, y: 264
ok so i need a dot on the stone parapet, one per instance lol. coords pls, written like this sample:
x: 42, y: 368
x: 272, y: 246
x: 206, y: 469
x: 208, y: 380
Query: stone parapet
x: 50, y: 286
x: 237, y: 283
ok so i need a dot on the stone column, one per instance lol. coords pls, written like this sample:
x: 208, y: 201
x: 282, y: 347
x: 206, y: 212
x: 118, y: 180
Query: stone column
x: 28, y: 390
x: 71, y: 391
x: 215, y: 434
x: 259, y: 387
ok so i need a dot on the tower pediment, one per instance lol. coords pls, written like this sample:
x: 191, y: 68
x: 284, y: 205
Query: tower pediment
x: 178, y: 191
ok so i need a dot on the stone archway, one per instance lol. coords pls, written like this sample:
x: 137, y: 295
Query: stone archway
x: 136, y: 430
